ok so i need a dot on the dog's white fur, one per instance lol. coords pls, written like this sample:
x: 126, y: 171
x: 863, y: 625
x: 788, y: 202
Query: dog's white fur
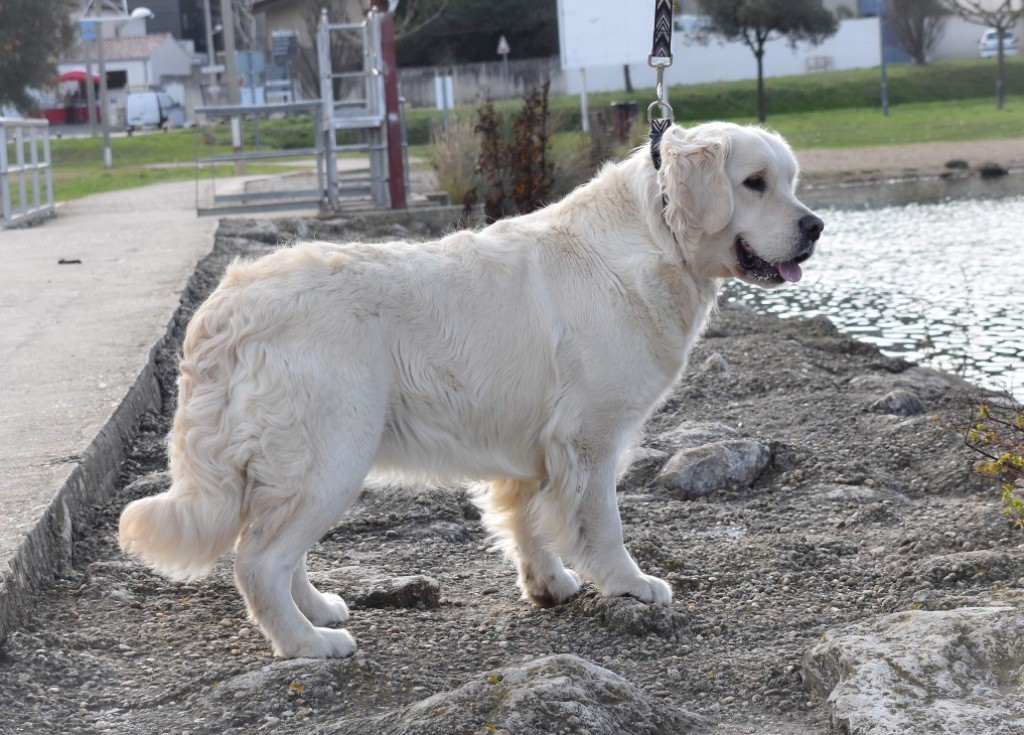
x: 526, y: 355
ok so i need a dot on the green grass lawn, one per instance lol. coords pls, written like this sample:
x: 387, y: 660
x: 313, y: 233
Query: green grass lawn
x: 916, y: 122
x: 941, y: 101
x: 909, y: 84
x: 139, y: 160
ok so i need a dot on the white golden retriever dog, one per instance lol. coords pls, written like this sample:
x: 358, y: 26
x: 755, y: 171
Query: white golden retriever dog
x: 526, y: 355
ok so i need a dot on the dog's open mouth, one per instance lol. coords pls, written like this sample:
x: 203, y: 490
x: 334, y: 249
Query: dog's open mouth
x: 759, y: 269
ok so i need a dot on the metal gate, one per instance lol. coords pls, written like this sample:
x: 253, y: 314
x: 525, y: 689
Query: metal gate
x: 350, y: 117
x: 353, y: 104
x: 267, y: 193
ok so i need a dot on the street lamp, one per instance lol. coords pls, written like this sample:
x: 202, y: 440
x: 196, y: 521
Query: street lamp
x: 123, y: 18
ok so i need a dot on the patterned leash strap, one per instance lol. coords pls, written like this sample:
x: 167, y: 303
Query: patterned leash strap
x: 660, y: 59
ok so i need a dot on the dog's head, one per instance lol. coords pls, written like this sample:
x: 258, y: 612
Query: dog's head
x: 730, y: 200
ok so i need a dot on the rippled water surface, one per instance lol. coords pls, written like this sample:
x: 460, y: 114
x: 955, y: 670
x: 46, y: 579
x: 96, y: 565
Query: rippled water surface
x: 930, y: 271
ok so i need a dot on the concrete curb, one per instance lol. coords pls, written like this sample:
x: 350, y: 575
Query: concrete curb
x: 48, y: 549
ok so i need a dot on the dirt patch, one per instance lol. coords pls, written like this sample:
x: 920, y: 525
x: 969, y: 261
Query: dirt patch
x: 851, y: 518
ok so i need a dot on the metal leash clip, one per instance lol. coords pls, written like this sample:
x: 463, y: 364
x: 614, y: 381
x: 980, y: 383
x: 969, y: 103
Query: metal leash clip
x: 660, y: 64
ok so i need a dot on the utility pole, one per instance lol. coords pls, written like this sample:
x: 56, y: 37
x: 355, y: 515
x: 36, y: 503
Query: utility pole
x: 396, y: 168
x: 90, y: 86
x: 211, y: 53
x: 108, y: 156
x: 881, y: 42
x: 227, y: 19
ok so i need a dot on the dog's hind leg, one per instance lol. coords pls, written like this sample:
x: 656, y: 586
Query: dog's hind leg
x: 578, y: 509
x: 285, y: 520
x: 543, y: 578
x: 320, y: 608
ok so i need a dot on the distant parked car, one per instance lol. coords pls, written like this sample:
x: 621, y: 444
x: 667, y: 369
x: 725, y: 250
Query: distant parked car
x: 153, y: 109
x: 988, y: 45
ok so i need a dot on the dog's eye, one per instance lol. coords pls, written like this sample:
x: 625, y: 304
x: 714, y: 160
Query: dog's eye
x: 756, y: 183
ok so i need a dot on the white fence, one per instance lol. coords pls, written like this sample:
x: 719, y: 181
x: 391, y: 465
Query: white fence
x: 26, y: 178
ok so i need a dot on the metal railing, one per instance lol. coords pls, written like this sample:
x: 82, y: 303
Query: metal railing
x: 268, y: 196
x: 22, y: 199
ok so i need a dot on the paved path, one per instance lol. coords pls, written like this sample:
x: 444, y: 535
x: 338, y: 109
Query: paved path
x: 74, y: 341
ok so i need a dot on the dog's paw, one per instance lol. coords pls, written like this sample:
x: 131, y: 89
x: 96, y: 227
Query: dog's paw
x: 643, y: 587
x: 327, y: 609
x: 325, y: 643
x: 553, y: 589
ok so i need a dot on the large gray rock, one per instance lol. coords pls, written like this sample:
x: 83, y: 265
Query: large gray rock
x: 731, y: 463
x: 366, y: 587
x: 561, y: 693
x: 642, y: 464
x: 972, y: 567
x: 417, y: 590
x: 899, y: 402
x: 630, y: 616
x: 949, y: 672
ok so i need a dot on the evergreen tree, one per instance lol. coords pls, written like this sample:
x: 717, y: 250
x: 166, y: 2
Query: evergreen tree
x: 33, y: 33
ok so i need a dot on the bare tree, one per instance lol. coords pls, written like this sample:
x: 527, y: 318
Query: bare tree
x: 917, y: 25
x: 1002, y: 15
x: 756, y: 22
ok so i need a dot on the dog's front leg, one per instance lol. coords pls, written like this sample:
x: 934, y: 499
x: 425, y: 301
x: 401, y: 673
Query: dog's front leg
x: 602, y: 554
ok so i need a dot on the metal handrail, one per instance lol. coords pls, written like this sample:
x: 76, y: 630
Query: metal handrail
x: 27, y: 208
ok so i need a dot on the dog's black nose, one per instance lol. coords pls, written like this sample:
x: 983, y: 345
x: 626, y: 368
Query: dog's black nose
x: 811, y: 226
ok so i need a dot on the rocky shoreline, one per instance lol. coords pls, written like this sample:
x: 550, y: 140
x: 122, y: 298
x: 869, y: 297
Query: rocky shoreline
x: 836, y: 567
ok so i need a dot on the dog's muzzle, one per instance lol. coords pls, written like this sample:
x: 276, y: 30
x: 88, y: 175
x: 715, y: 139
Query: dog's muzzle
x: 759, y: 269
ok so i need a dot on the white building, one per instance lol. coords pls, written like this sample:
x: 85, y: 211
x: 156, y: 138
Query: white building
x: 136, y: 63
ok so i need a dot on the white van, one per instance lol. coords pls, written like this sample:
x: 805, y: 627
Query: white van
x: 155, y: 109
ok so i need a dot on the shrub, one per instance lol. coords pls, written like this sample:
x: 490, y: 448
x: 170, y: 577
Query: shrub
x: 453, y: 154
x: 996, y: 432
x: 515, y: 165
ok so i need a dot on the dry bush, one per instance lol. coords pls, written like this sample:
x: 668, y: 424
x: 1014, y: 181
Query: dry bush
x: 516, y: 166
x: 453, y: 154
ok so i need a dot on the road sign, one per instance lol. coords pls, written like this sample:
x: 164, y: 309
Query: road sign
x: 503, y: 47
x: 212, y: 69
x: 88, y: 30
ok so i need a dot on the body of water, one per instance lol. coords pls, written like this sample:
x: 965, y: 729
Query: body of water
x: 931, y: 271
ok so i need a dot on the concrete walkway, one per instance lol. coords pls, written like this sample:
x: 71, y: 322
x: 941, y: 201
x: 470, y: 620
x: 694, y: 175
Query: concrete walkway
x: 75, y: 361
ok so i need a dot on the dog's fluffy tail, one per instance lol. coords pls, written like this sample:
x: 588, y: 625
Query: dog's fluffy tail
x: 181, y: 533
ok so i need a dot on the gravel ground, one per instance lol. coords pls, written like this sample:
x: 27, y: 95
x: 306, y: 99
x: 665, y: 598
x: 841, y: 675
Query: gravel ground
x: 859, y: 512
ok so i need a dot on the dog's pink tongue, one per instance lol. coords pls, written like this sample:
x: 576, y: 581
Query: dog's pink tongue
x: 789, y: 271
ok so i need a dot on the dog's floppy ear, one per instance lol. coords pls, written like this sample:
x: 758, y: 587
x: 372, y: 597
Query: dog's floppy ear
x: 693, y: 179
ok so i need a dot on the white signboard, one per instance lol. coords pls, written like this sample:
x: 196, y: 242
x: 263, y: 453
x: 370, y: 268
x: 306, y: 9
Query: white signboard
x: 604, y: 32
